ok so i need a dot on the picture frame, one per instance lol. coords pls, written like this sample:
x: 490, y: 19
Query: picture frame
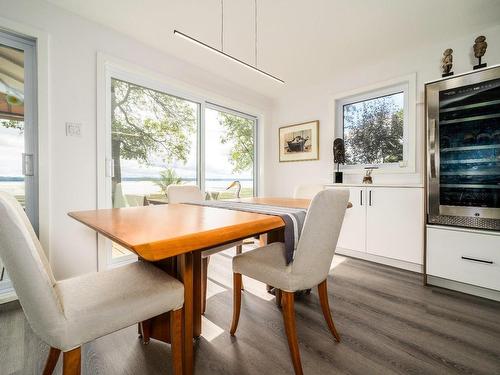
x: 299, y: 142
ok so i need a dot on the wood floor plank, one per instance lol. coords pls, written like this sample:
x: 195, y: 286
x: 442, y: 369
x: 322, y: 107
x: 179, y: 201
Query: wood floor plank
x: 389, y: 323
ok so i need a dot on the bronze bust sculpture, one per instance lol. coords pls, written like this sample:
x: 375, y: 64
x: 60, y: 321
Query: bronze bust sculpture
x: 479, y: 47
x: 447, y: 62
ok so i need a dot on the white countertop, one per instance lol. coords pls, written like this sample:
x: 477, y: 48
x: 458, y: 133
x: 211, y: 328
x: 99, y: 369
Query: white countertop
x: 377, y: 185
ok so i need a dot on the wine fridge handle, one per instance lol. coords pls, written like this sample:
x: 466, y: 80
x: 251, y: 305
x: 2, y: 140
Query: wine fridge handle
x: 432, y: 146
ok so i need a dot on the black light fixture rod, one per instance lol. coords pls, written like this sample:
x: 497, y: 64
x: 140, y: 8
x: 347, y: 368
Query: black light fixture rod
x: 191, y: 39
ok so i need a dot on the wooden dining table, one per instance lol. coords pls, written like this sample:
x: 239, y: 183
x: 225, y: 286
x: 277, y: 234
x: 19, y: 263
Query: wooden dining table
x: 172, y: 237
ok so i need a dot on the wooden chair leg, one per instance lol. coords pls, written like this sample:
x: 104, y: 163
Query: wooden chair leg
x: 145, y: 331
x: 51, y: 363
x: 72, y: 362
x: 204, y: 282
x: 176, y: 341
x: 325, y: 306
x: 236, y: 301
x: 239, y: 250
x: 291, y: 331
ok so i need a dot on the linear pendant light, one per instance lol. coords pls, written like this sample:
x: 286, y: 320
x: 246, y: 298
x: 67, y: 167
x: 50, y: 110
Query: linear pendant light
x: 221, y: 52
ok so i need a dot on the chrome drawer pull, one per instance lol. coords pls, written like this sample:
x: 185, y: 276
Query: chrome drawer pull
x: 478, y: 260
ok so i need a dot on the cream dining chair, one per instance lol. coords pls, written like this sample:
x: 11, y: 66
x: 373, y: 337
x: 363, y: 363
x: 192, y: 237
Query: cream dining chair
x: 192, y: 193
x: 68, y: 313
x: 307, y: 191
x: 310, y: 266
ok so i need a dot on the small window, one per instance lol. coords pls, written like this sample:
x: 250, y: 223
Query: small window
x: 375, y: 127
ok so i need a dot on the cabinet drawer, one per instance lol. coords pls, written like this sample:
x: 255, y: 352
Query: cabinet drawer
x: 471, y: 258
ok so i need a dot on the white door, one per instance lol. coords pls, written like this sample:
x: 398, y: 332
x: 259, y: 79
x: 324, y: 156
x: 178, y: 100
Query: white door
x: 394, y: 222
x: 352, y: 235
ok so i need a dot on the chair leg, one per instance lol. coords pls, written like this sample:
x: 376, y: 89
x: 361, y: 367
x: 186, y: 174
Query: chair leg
x: 323, y: 299
x: 239, y: 250
x: 72, y: 362
x: 145, y: 331
x: 204, y: 282
x: 176, y: 341
x: 236, y: 302
x: 291, y: 331
x: 52, y: 359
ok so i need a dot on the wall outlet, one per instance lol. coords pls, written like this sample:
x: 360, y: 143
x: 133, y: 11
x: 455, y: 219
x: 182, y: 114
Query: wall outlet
x: 73, y: 129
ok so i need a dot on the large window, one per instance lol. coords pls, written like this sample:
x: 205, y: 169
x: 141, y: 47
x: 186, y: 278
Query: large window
x: 155, y: 136
x: 375, y: 126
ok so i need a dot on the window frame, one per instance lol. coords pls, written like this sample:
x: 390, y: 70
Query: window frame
x: 405, y: 85
x: 109, y: 68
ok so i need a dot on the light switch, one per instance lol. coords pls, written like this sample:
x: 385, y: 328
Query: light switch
x: 73, y: 129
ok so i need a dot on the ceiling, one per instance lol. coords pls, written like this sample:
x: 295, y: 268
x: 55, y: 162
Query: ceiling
x: 301, y: 42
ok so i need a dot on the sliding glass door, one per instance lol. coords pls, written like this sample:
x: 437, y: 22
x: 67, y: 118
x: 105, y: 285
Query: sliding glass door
x: 230, y: 153
x: 18, y: 141
x: 153, y: 136
x: 153, y: 144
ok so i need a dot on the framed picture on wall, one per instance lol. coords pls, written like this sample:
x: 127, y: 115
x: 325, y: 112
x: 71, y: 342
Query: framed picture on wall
x: 299, y: 142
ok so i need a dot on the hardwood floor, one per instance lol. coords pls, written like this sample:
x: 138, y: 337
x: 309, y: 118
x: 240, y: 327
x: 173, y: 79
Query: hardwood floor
x: 389, y: 324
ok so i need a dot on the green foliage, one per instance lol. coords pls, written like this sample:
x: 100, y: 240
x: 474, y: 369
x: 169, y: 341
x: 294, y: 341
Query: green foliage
x: 239, y: 134
x: 167, y: 177
x: 146, y: 122
x: 12, y: 124
x: 373, y: 132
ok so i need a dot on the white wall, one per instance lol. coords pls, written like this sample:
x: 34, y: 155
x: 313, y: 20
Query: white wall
x: 316, y: 103
x: 73, y: 46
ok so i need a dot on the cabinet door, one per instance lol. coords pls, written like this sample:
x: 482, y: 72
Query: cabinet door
x: 395, y: 222
x: 353, y: 232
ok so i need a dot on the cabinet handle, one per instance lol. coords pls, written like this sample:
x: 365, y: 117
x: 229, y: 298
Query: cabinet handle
x: 478, y: 260
x: 361, y: 197
x: 370, y: 198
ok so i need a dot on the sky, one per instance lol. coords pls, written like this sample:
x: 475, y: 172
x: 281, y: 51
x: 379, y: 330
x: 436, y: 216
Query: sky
x: 11, y: 149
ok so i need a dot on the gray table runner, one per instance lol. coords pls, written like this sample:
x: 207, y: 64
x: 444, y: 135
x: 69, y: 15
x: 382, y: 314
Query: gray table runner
x: 293, y: 218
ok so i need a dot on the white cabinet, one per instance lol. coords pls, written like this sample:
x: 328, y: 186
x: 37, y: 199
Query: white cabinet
x: 355, y: 221
x: 395, y: 223
x: 384, y: 223
x: 466, y: 256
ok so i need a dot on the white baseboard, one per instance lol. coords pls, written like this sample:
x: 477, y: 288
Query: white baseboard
x: 383, y: 260
x: 464, y: 288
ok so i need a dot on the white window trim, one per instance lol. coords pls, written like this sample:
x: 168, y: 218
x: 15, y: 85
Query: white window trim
x: 406, y: 84
x: 109, y: 67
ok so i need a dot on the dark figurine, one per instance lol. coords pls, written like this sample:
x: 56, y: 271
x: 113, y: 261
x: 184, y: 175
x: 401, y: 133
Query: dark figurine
x: 339, y: 158
x: 479, y: 47
x: 447, y: 62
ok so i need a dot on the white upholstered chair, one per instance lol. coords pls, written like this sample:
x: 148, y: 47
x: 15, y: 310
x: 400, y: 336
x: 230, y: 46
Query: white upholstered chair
x: 309, y: 268
x: 66, y: 314
x: 307, y: 191
x: 192, y: 193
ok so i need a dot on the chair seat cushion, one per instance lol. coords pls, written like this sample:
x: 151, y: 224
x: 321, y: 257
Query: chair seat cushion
x: 268, y: 265
x: 218, y: 249
x: 100, y: 303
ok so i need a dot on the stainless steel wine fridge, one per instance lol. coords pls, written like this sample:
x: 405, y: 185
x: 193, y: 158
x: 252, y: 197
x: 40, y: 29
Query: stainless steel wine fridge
x: 463, y: 150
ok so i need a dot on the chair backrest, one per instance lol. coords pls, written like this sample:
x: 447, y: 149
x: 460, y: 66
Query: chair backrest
x: 184, y: 193
x: 319, y: 236
x: 307, y: 191
x: 28, y: 269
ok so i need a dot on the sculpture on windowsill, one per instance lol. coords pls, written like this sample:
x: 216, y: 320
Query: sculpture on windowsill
x: 447, y: 62
x: 368, y: 179
x: 479, y: 48
x: 339, y: 158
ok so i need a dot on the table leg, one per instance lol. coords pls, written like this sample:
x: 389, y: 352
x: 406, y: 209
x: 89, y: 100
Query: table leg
x: 197, y: 294
x: 266, y: 239
x: 186, y: 276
